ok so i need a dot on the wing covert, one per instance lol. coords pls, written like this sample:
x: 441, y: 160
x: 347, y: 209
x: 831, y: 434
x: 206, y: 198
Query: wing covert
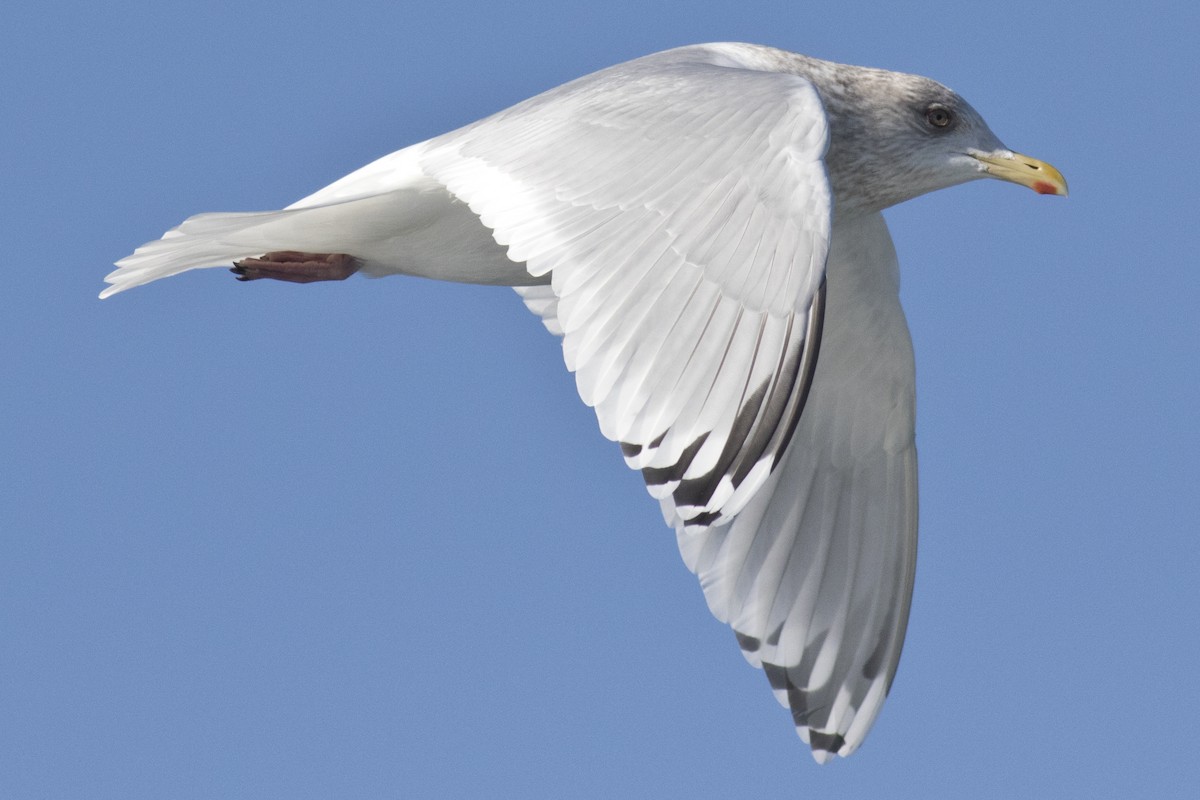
x: 679, y: 205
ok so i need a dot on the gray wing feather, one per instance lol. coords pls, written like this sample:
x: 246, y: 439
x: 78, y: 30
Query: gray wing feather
x: 681, y: 207
x: 815, y: 574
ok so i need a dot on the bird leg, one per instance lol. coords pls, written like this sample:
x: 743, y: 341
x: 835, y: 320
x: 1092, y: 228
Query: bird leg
x: 289, y: 265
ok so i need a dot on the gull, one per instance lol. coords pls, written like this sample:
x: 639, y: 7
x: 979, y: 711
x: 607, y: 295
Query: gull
x: 702, y: 229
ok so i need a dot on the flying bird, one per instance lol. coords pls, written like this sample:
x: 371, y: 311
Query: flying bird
x: 702, y: 228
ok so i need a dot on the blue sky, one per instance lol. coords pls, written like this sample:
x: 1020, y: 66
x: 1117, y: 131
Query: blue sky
x: 362, y: 540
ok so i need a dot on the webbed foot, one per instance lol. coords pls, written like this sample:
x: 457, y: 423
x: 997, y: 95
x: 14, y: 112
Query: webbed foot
x: 296, y: 267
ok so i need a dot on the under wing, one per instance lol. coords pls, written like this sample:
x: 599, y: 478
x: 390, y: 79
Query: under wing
x: 815, y: 575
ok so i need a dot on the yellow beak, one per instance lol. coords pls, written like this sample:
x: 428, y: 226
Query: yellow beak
x: 1014, y: 167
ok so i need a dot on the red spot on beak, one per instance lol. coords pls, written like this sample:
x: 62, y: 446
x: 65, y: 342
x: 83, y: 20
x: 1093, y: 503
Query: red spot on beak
x: 1041, y: 187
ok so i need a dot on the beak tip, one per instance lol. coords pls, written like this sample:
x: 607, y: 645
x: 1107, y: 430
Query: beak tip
x: 1045, y: 187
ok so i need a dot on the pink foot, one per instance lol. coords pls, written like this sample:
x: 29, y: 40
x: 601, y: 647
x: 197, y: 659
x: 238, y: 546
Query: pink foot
x: 289, y: 265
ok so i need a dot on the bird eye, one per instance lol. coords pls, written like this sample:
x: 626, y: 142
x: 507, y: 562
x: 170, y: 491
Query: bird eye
x: 939, y: 116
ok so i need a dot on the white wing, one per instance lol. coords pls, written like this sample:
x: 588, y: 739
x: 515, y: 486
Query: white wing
x: 681, y: 206
x: 815, y: 575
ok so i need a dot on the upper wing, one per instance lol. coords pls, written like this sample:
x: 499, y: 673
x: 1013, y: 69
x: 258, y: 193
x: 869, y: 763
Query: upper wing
x: 815, y: 575
x: 681, y: 206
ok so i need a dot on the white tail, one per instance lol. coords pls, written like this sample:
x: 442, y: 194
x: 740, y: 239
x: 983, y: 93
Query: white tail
x: 389, y: 215
x: 366, y: 227
x: 201, y: 241
x: 362, y: 214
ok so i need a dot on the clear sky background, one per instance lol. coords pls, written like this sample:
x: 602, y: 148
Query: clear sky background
x: 362, y: 539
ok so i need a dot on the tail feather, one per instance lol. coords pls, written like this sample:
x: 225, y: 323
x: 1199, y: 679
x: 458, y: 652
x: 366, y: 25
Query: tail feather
x: 357, y: 213
x: 217, y: 239
x: 205, y: 240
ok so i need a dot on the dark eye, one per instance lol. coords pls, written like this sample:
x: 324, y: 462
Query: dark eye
x: 939, y: 116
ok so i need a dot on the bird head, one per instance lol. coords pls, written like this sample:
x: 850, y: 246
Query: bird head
x: 895, y: 136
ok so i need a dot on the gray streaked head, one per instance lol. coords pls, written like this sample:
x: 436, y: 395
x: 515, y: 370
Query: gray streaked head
x: 895, y: 136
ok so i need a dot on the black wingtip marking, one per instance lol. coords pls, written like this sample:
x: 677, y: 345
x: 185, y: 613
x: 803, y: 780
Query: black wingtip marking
x: 828, y: 742
x: 762, y: 428
x: 703, y: 519
x: 657, y: 476
x: 748, y: 643
x: 700, y: 491
x: 816, y: 327
x: 797, y: 697
x: 776, y: 675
